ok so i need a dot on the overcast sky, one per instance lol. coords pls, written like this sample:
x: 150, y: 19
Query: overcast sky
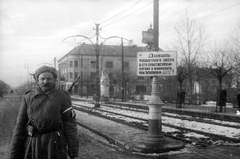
x: 32, y: 31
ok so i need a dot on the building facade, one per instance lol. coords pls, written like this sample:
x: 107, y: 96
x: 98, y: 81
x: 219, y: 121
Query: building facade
x: 120, y: 62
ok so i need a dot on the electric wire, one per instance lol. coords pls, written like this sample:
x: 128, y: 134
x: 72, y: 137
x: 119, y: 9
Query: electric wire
x: 121, y: 12
x: 209, y: 6
x: 219, y: 11
x: 91, y: 30
x: 171, y: 23
x: 176, y: 13
x: 205, y: 16
x: 126, y: 16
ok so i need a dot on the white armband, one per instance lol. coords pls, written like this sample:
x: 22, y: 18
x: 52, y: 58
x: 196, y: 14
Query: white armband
x: 73, y: 114
x: 67, y: 110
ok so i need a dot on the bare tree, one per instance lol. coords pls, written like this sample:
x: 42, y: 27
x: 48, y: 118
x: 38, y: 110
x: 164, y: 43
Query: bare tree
x: 182, y: 75
x: 189, y: 41
x: 220, y: 67
x: 234, y: 42
x: 220, y: 63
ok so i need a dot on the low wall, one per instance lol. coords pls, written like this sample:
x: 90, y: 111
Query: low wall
x: 213, y: 103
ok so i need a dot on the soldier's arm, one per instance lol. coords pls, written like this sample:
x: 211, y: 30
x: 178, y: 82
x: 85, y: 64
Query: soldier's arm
x: 70, y: 127
x: 19, y: 133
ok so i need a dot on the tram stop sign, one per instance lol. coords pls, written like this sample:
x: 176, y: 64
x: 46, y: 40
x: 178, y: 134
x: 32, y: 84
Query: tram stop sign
x: 158, y: 63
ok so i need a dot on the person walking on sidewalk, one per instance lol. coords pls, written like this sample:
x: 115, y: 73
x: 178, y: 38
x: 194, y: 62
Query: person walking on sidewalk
x: 46, y: 126
x: 238, y: 99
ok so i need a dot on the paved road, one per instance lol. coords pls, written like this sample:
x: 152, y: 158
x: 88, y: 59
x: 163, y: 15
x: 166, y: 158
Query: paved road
x: 93, y: 146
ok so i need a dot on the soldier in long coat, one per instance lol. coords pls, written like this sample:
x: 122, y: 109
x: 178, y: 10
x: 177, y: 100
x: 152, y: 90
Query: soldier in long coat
x: 46, y: 125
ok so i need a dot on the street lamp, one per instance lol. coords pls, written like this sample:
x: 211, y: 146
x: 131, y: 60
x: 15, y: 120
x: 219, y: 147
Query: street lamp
x: 97, y: 48
x: 123, y: 83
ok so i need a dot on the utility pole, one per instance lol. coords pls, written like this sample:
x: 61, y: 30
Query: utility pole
x: 155, y: 141
x: 123, y: 87
x: 97, y: 48
x: 97, y: 104
x: 123, y: 77
x: 154, y: 123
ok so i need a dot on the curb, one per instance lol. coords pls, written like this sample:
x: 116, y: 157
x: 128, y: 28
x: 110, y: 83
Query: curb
x: 120, y: 144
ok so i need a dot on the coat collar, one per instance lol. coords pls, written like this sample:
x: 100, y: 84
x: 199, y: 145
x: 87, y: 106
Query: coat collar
x: 49, y: 93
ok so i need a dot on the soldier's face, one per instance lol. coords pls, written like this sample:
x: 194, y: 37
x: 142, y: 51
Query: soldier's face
x: 46, y: 81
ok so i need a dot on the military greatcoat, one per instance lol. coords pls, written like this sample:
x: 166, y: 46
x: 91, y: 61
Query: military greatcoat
x: 45, y: 111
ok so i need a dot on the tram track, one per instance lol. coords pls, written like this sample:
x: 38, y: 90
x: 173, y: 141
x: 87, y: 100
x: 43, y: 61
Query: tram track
x: 142, y: 122
x: 173, y: 115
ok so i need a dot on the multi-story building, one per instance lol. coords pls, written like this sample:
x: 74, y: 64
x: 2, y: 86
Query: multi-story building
x: 81, y: 61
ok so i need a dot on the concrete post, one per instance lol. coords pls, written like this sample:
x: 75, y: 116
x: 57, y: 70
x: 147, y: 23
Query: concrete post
x: 155, y: 104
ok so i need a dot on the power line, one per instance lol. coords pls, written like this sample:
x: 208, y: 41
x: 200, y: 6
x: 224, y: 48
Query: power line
x: 174, y: 14
x: 202, y: 9
x: 112, y: 18
x: 206, y: 15
x: 121, y: 12
x: 126, y: 16
x: 90, y: 31
x: 209, y: 5
x: 219, y: 11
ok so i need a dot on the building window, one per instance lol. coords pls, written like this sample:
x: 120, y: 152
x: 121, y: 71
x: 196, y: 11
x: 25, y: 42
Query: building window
x: 75, y: 75
x: 126, y: 65
x: 75, y: 63
x: 71, y: 63
x: 109, y: 64
x: 93, y: 75
x: 71, y: 75
x: 93, y: 64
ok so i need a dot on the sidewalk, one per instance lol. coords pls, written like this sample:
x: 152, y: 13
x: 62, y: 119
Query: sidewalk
x: 128, y: 138
x: 232, y: 112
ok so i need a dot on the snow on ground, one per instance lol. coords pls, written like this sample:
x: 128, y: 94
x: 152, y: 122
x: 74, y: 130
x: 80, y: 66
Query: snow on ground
x: 205, y: 127
x: 204, y: 119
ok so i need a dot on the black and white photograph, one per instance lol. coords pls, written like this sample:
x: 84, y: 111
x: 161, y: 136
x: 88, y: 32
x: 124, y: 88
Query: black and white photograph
x: 120, y: 79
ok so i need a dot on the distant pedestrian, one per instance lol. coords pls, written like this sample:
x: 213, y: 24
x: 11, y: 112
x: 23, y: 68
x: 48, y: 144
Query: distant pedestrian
x: 46, y: 126
x: 238, y: 99
x: 223, y: 99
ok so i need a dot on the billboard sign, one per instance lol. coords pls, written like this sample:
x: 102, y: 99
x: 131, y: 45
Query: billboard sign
x: 157, y: 63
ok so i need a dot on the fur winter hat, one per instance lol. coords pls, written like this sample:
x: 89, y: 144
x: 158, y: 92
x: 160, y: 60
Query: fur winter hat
x: 45, y: 69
